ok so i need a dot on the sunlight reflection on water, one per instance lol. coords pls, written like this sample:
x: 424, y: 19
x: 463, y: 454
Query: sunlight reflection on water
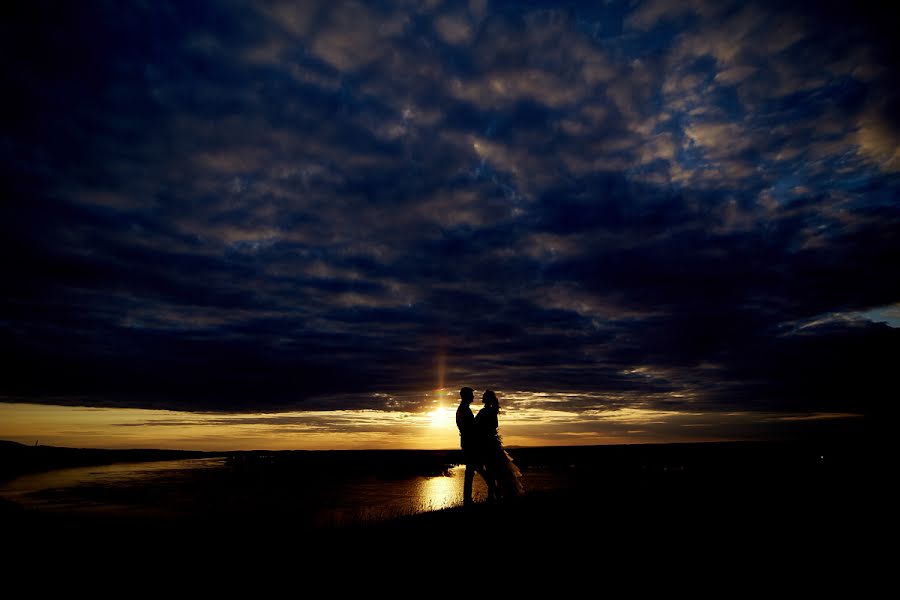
x: 435, y: 493
x: 441, y: 492
x: 139, y: 488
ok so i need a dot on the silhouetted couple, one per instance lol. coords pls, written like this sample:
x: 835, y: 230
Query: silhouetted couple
x: 483, y: 448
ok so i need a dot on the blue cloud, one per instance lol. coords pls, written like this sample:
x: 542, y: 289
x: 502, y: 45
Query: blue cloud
x: 286, y: 205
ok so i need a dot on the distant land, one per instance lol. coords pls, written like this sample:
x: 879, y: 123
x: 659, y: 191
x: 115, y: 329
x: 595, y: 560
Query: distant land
x: 18, y: 459
x: 713, y: 457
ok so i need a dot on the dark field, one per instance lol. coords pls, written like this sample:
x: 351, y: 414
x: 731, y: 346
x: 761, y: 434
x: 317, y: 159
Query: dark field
x: 808, y: 496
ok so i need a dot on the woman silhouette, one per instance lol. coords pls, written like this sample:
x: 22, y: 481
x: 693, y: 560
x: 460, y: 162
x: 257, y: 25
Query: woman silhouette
x: 503, y: 476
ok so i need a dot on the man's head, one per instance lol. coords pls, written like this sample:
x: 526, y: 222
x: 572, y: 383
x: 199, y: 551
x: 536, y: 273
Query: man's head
x: 467, y: 394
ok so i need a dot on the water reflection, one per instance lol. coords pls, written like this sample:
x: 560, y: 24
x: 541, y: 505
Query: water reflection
x: 441, y: 492
x: 436, y: 493
x: 100, y: 488
x: 194, y: 486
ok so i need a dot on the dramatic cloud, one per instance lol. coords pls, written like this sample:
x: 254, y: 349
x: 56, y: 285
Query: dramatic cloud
x: 679, y: 207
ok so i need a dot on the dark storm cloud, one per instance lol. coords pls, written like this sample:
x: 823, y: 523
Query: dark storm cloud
x: 247, y: 207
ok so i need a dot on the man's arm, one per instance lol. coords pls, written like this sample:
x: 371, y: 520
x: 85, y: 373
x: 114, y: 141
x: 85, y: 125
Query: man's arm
x: 464, y: 418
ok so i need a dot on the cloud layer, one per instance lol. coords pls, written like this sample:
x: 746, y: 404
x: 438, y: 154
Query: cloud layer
x: 339, y: 205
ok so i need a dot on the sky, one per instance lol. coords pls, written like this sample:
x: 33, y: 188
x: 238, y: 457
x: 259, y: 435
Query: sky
x: 308, y: 224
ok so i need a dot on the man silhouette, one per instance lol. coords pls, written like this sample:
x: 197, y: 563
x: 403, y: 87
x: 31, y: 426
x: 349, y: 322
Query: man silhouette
x: 468, y: 441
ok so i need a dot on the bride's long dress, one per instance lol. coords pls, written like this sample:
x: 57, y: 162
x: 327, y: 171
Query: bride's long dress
x: 505, y: 475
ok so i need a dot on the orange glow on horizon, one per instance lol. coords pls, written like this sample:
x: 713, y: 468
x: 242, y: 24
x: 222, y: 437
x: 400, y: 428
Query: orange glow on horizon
x: 522, y: 423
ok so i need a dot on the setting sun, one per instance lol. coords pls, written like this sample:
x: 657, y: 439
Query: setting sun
x: 441, y: 417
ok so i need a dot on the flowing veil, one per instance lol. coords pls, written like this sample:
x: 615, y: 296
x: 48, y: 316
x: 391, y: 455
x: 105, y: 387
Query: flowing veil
x: 505, y: 476
x: 508, y: 477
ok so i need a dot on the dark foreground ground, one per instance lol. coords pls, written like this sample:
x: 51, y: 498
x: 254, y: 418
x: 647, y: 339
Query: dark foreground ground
x: 811, y: 499
x: 798, y: 501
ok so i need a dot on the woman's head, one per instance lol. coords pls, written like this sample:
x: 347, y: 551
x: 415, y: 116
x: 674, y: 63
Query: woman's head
x: 490, y: 399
